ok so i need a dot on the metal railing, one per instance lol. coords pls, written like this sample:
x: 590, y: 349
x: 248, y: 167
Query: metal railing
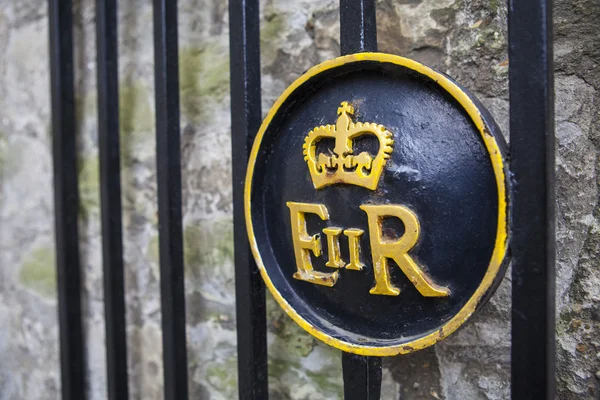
x: 531, y: 164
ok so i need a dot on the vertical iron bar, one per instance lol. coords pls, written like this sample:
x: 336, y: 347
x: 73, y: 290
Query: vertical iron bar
x: 110, y: 194
x: 66, y: 199
x: 362, y: 377
x: 358, y: 33
x: 245, y: 121
x: 168, y: 160
x: 358, y: 29
x: 532, y: 166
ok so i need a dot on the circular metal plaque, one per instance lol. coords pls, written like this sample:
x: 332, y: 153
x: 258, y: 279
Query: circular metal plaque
x: 376, y: 204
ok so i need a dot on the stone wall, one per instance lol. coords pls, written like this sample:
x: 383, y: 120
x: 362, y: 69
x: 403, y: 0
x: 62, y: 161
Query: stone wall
x: 467, y: 39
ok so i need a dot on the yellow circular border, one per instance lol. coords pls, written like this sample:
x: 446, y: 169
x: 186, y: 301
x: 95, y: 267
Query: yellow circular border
x: 500, y: 246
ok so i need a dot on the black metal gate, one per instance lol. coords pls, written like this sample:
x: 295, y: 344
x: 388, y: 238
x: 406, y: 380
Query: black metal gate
x: 532, y: 168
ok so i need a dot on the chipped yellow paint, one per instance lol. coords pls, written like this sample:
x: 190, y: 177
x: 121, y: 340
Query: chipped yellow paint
x: 501, y: 242
x: 333, y: 247
x: 354, y: 235
x: 304, y: 244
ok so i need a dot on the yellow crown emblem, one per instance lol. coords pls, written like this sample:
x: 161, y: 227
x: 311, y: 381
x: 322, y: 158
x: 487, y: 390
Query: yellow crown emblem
x: 341, y: 165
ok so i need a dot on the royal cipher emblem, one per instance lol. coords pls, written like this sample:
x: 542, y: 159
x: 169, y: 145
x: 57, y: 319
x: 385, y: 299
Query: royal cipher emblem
x: 376, y: 204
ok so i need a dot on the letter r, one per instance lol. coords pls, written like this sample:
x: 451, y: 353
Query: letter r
x: 383, y: 248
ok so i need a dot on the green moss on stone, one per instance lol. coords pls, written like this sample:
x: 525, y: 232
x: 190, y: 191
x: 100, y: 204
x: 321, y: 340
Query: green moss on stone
x: 136, y: 118
x: 279, y: 367
x: 223, y: 231
x: 152, y: 253
x: 329, y: 379
x: 206, y: 246
x: 271, y: 32
x: 89, y: 186
x: 152, y: 250
x: 494, y: 6
x: 38, y: 272
x: 204, y: 80
x: 135, y: 111
x: 491, y: 38
x: 290, y: 338
x: 222, y: 376
x: 299, y: 343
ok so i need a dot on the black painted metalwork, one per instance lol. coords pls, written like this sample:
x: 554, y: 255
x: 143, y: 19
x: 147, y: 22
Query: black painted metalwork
x: 532, y: 166
x: 358, y: 30
x: 533, y: 197
x: 168, y: 160
x: 358, y: 33
x: 66, y: 200
x: 362, y: 377
x: 110, y: 195
x: 245, y: 121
